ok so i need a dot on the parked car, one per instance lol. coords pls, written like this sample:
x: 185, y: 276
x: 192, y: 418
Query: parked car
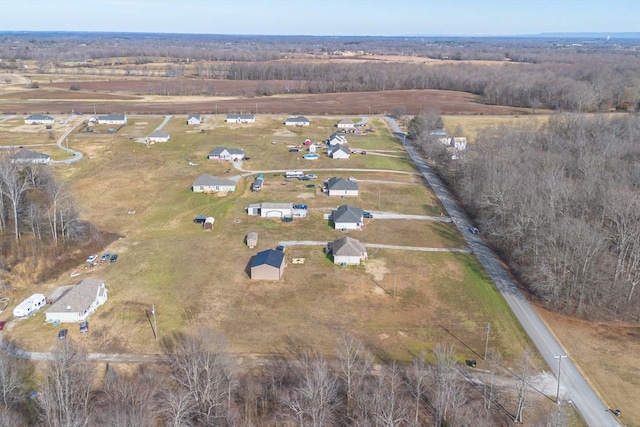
x: 300, y: 207
x: 114, y: 257
x: 352, y: 178
x: 105, y: 257
x: 280, y: 248
x: 287, y: 219
x: 311, y: 176
x: 62, y: 334
x: 305, y: 178
x: 363, y: 152
x: 367, y: 215
x: 473, y: 230
x: 84, y: 327
x: 92, y: 259
x: 311, y: 186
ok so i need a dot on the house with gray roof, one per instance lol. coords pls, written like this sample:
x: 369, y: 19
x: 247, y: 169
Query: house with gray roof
x: 228, y: 154
x: 341, y: 187
x: 212, y: 184
x: 25, y: 156
x: 268, y: 265
x: 339, y: 152
x: 39, y: 119
x: 241, y: 118
x: 336, y: 138
x: 78, y: 302
x: 347, y: 217
x: 297, y: 121
x: 112, y: 119
x: 347, y: 251
x: 158, y: 135
x: 345, y: 124
x: 194, y: 119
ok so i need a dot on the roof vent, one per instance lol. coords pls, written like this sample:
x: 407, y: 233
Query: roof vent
x: 68, y: 308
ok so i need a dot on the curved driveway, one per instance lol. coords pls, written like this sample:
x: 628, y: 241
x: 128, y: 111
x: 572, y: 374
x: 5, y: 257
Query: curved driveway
x: 76, y: 154
x: 594, y: 412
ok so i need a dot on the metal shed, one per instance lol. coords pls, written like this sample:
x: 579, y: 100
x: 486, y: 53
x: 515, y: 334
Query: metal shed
x: 252, y: 239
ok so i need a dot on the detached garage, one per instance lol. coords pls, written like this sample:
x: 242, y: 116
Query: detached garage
x: 268, y: 265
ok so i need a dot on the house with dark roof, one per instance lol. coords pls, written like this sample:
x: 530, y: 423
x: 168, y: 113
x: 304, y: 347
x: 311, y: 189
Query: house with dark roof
x: 241, y: 118
x: 297, y: 121
x: 158, y: 135
x: 347, y: 251
x: 39, y: 119
x: 112, y: 119
x: 347, y: 217
x: 339, y: 152
x: 78, y: 302
x: 341, y: 187
x: 228, y: 154
x: 345, y: 124
x: 25, y: 156
x: 268, y: 265
x: 194, y: 119
x: 212, y: 184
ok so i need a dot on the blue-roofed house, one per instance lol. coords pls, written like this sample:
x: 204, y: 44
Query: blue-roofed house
x: 268, y: 265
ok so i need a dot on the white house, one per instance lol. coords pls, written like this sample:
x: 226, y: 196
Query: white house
x: 78, y: 302
x: 297, y: 121
x: 29, y: 306
x: 224, y: 153
x: 241, y: 118
x: 212, y: 184
x: 113, y: 119
x: 336, y: 138
x: 339, y: 152
x: 345, y: 124
x: 341, y: 187
x: 270, y: 209
x: 30, y: 157
x: 39, y: 119
x: 194, y: 119
x: 347, y: 217
x: 459, y: 143
x: 348, y: 251
x: 158, y: 135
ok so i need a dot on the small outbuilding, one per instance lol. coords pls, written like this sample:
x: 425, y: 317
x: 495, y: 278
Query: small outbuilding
x: 348, y: 251
x: 268, y: 265
x: 208, y: 223
x: 252, y: 240
x: 78, y: 302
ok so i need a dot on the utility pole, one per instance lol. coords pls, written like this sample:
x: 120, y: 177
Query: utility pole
x: 559, y: 366
x: 155, y: 323
x: 379, y: 199
x: 394, y: 285
x: 486, y: 342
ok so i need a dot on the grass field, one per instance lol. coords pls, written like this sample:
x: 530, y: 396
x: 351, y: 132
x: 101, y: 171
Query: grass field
x: 469, y: 126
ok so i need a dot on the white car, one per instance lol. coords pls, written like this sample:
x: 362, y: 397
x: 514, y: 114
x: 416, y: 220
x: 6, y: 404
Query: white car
x: 91, y: 259
x: 351, y: 178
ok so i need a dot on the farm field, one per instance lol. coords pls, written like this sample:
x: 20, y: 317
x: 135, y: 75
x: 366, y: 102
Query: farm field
x: 199, y: 279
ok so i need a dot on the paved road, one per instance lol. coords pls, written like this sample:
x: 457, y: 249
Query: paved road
x: 588, y: 404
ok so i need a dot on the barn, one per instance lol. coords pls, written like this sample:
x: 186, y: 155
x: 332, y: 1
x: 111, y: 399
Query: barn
x: 268, y: 265
x: 78, y: 302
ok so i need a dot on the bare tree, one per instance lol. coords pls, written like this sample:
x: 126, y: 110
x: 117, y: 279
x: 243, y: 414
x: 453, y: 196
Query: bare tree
x: 418, y: 381
x: 444, y: 390
x: 525, y: 369
x: 12, y: 379
x: 13, y: 187
x: 176, y: 407
x: 355, y: 362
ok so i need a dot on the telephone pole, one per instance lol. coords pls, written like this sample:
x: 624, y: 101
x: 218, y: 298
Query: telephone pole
x: 486, y: 342
x: 559, y: 366
x: 155, y: 323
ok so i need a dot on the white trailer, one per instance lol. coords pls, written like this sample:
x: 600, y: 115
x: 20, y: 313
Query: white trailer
x: 29, y: 306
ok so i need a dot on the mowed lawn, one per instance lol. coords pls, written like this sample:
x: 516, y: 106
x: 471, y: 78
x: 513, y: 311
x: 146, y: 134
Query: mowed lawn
x: 399, y: 302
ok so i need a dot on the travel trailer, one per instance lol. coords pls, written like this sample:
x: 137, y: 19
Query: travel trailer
x: 29, y: 306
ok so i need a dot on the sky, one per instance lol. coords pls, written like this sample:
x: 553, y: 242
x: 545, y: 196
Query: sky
x: 324, y: 17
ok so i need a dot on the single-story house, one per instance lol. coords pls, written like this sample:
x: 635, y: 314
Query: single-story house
x: 241, y: 118
x: 347, y: 217
x: 252, y: 239
x: 336, y: 138
x: 270, y: 209
x: 345, y: 124
x: 348, y: 251
x: 341, y: 187
x: 297, y: 121
x: 339, y: 152
x: 459, y: 143
x: 113, y: 119
x: 212, y: 184
x: 25, y: 156
x: 39, y: 119
x: 224, y: 153
x: 158, y: 135
x: 194, y: 119
x: 78, y: 302
x: 268, y: 265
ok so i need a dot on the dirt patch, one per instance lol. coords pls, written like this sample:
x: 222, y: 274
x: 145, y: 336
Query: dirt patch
x: 377, y: 269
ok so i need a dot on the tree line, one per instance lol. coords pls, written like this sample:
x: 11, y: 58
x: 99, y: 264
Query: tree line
x: 201, y: 385
x: 559, y: 201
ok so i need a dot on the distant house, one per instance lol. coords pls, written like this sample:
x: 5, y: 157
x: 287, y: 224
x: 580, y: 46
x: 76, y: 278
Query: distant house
x: 212, y: 184
x: 194, y: 119
x: 39, y: 119
x: 268, y: 265
x: 228, y: 154
x: 341, y: 187
x: 158, y: 136
x: 270, y: 209
x: 345, y: 124
x: 459, y: 143
x: 241, y: 118
x: 78, y: 302
x: 297, y: 121
x: 339, y: 152
x: 336, y: 138
x: 441, y: 135
x: 347, y: 217
x: 112, y: 119
x: 348, y: 251
x: 30, y: 157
